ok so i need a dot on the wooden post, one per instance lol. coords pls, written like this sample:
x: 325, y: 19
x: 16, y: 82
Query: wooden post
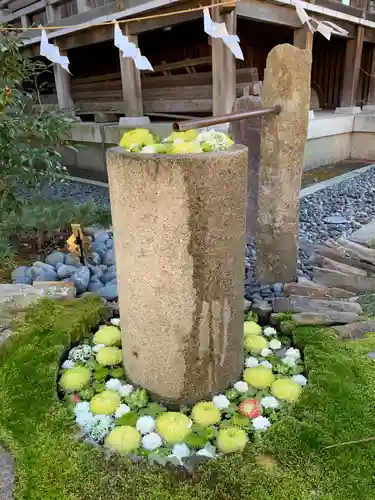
x: 303, y: 38
x: 25, y: 22
x: 131, y: 84
x: 223, y: 68
x: 63, y: 85
x: 353, y: 59
x: 371, y: 89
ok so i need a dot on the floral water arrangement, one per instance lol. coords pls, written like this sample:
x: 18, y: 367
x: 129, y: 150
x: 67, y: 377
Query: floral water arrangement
x: 122, y: 419
x: 191, y: 141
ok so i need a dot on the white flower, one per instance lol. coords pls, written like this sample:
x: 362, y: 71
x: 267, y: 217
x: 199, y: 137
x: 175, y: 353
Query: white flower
x: 269, y: 402
x: 181, y: 450
x: 241, y: 386
x: 113, y: 384
x: 221, y: 401
x: 300, y: 379
x: 217, y: 140
x: 251, y: 362
x: 81, y: 353
x: 122, y: 410
x: 145, y: 424
x: 101, y: 427
x: 68, y: 364
x: 125, y: 390
x: 261, y: 423
x: 293, y: 353
x: 274, y: 344
x: 86, y: 420
x: 82, y: 407
x: 266, y: 364
x: 151, y: 441
x: 205, y: 453
x: 115, y: 321
x: 268, y: 331
x: 265, y: 352
x: 148, y: 149
x: 97, y: 347
x: 291, y: 362
x: 178, y: 141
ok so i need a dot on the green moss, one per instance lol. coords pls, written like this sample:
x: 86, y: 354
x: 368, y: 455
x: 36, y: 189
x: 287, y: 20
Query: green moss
x: 337, y: 405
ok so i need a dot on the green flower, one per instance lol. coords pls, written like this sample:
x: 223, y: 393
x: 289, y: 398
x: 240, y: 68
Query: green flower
x: 105, y: 403
x: 205, y: 413
x: 255, y: 343
x: 259, y: 377
x: 137, y: 398
x: 135, y: 140
x: 107, y: 335
x: 287, y: 389
x: 75, y: 378
x: 185, y: 147
x: 174, y: 427
x: 109, y: 356
x: 124, y: 439
x: 231, y: 439
x: 252, y: 328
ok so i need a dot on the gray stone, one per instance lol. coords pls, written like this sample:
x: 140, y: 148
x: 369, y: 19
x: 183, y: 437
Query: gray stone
x: 4, y: 336
x: 247, y: 132
x: 69, y: 260
x: 14, y: 299
x: 262, y: 309
x: 23, y: 280
x: 96, y: 258
x: 335, y: 219
x: 81, y: 279
x: 365, y: 235
x: 47, y: 276
x: 356, y: 284
x: 371, y: 355
x: 109, y: 258
x: 278, y: 288
x: 109, y: 243
x: 295, y: 303
x: 64, y: 271
x: 109, y: 276
x: 283, y: 138
x: 109, y: 292
x: 44, y: 266
x: 355, y: 330
x: 103, y: 267
x: 247, y: 305
x: 95, y: 286
x: 6, y: 475
x: 33, y: 272
x: 101, y: 236
x: 96, y: 272
x: 327, y: 318
x: 19, y: 272
x: 55, y: 257
x: 99, y: 246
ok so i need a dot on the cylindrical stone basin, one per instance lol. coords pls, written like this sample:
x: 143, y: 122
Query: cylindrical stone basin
x: 179, y: 232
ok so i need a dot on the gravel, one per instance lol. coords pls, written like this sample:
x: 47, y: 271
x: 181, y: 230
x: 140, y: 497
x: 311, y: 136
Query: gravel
x: 332, y: 212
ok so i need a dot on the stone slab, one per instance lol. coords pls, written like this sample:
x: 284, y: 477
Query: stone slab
x: 55, y: 289
x: 356, y: 284
x: 295, y: 303
x: 6, y: 475
x: 14, y: 299
x: 329, y: 318
x: 355, y: 330
x: 317, y: 292
x: 365, y: 235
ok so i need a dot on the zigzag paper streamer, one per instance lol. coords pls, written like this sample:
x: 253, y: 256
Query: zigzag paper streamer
x: 52, y: 52
x: 219, y: 30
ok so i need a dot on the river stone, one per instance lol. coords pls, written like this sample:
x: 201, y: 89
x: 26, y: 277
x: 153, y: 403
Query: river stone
x: 101, y: 236
x: 109, y: 292
x: 295, y: 303
x: 47, y: 276
x: 262, y: 309
x: 247, y: 305
x: 326, y: 318
x: 6, y: 475
x: 355, y: 330
x: 64, y: 271
x: 19, y: 271
x: 44, y: 266
x: 70, y: 260
x: 109, y: 258
x: 109, y: 243
x: 55, y: 257
x: 23, y: 280
x: 15, y: 298
x: 283, y: 138
x: 317, y: 292
x: 81, y: 279
x: 95, y: 286
x: 335, y: 219
x: 109, y: 276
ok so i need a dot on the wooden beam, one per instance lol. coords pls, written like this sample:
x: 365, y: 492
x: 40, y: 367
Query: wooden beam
x: 25, y: 22
x: 223, y: 68
x: 258, y: 10
x: 303, y: 38
x: 131, y: 84
x: 353, y: 57
x: 63, y: 86
x: 82, y: 6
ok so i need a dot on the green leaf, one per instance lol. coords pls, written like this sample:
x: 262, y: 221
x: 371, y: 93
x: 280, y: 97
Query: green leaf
x: 239, y: 420
x: 127, y: 419
x: 153, y: 410
x: 195, y: 441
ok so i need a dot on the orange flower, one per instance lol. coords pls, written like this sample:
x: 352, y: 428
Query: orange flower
x: 250, y: 408
x: 7, y: 91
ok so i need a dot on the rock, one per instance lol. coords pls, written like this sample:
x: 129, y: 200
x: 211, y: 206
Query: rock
x: 295, y: 303
x: 64, y: 271
x: 23, y: 280
x: 81, y: 279
x: 356, y: 284
x: 103, y: 268
x: 283, y: 139
x: 54, y: 258
x: 327, y: 263
x: 247, y: 305
x: 96, y: 258
x: 319, y: 291
x: 99, y: 246
x: 365, y: 235
x: 4, y: 336
x: 355, y: 330
x: 335, y: 219
x: 33, y: 272
x: 19, y: 272
x: 109, y: 292
x: 6, y: 475
x: 14, y: 299
x: 327, y: 318
x: 95, y: 286
x: 262, y: 309
x: 109, y: 276
x: 371, y: 354
x: 47, y: 276
x: 70, y: 260
x: 101, y: 236
x: 278, y: 288
x: 109, y: 258
x: 109, y: 244
x: 44, y: 266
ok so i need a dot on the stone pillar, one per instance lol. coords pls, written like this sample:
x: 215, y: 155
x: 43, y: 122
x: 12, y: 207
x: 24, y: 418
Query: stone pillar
x: 179, y: 226
x: 63, y: 85
x: 283, y: 138
x: 247, y: 132
x: 353, y: 57
x: 223, y: 68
